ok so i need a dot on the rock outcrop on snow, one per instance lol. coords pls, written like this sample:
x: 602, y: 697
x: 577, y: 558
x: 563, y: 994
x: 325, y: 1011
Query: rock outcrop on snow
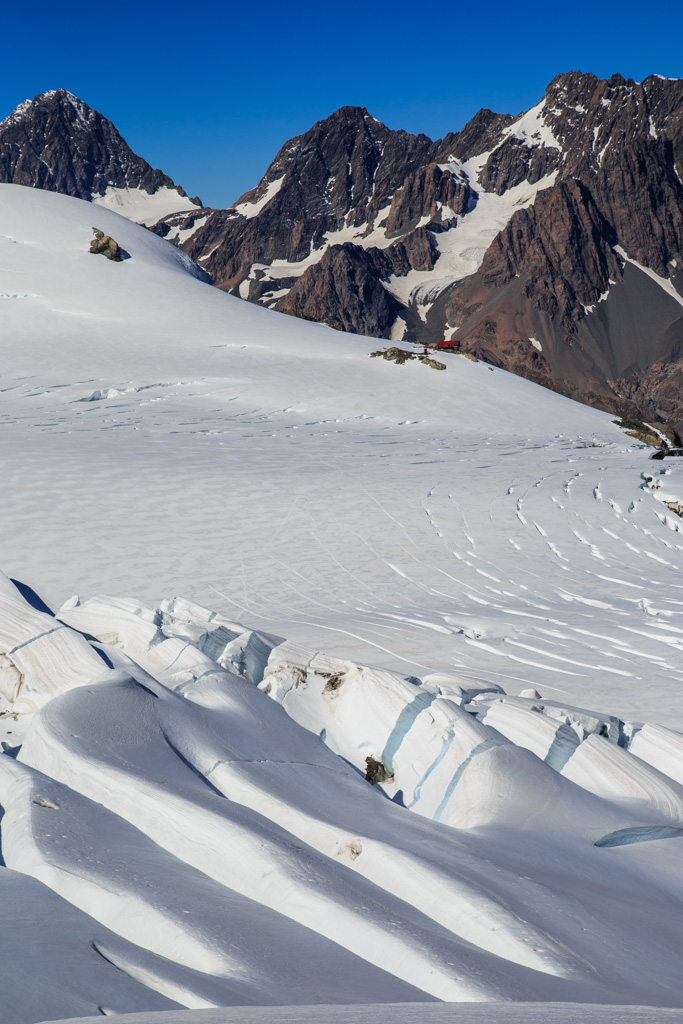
x: 105, y: 245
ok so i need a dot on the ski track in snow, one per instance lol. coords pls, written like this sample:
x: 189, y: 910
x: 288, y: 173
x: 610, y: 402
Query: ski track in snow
x: 507, y: 569
x: 430, y: 545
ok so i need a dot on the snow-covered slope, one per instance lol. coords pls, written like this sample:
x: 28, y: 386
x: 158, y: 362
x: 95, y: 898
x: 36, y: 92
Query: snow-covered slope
x: 374, y: 560
x: 143, y: 207
x: 460, y: 520
x: 474, y: 1013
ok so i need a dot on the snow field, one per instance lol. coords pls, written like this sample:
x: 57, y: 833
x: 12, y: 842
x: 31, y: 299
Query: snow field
x: 430, y: 545
x: 230, y: 803
x: 241, y: 849
x: 474, y: 1013
x: 461, y: 540
x: 141, y: 206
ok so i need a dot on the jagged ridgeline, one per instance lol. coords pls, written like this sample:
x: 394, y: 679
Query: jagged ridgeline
x: 57, y: 142
x: 549, y: 243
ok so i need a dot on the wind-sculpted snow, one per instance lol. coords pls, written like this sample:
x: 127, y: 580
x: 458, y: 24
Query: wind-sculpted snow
x: 38, y: 657
x: 195, y: 805
x: 458, y: 584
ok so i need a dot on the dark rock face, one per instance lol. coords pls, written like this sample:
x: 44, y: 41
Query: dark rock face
x: 341, y: 173
x: 343, y: 291
x: 608, y: 335
x: 56, y: 142
x: 561, y: 248
x: 624, y: 141
x: 429, y: 192
x: 514, y: 161
x: 415, y: 251
x: 170, y: 226
x: 479, y: 135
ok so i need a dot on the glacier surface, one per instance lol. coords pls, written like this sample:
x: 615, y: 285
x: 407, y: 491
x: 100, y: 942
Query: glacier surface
x: 297, y: 567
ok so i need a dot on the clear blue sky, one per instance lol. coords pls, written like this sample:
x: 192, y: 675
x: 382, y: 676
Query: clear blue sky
x: 209, y: 92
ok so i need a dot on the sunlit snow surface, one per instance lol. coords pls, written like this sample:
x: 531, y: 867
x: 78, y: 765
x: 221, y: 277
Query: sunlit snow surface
x: 374, y: 561
x: 141, y: 206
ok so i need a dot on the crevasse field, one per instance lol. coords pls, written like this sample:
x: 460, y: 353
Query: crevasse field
x: 270, y: 558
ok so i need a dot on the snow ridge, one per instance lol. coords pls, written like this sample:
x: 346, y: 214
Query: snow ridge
x: 145, y: 803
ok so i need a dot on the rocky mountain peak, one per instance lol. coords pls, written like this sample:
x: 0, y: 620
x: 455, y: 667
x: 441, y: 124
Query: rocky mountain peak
x: 28, y: 107
x: 339, y: 176
x: 480, y: 135
x: 346, y: 167
x: 57, y: 142
x: 549, y: 242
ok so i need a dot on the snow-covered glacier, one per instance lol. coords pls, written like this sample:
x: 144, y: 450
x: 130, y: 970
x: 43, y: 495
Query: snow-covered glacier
x: 322, y: 680
x: 195, y: 794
